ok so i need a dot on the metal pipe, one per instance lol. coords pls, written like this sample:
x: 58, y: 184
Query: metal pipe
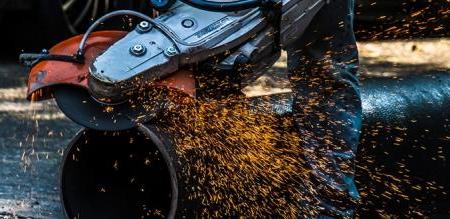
x: 133, y: 173
x: 128, y: 174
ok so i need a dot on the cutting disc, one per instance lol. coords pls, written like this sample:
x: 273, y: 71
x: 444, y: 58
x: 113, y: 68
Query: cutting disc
x: 77, y: 104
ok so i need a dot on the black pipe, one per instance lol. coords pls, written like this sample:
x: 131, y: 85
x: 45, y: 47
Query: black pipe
x: 405, y: 146
x: 125, y: 174
x: 107, y: 175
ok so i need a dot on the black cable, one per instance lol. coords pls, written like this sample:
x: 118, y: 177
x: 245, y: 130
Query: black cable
x: 237, y: 5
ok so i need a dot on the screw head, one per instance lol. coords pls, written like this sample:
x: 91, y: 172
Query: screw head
x: 171, y: 51
x: 187, y: 23
x: 138, y: 50
x: 144, y: 26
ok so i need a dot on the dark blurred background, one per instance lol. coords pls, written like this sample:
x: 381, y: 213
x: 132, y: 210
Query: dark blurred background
x: 36, y: 24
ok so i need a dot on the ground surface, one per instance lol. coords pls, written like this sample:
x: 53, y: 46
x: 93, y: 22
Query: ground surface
x: 33, y: 136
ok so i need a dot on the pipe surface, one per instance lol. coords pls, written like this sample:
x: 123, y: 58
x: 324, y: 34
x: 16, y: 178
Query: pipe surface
x: 402, y: 160
x: 118, y: 175
x: 404, y: 145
